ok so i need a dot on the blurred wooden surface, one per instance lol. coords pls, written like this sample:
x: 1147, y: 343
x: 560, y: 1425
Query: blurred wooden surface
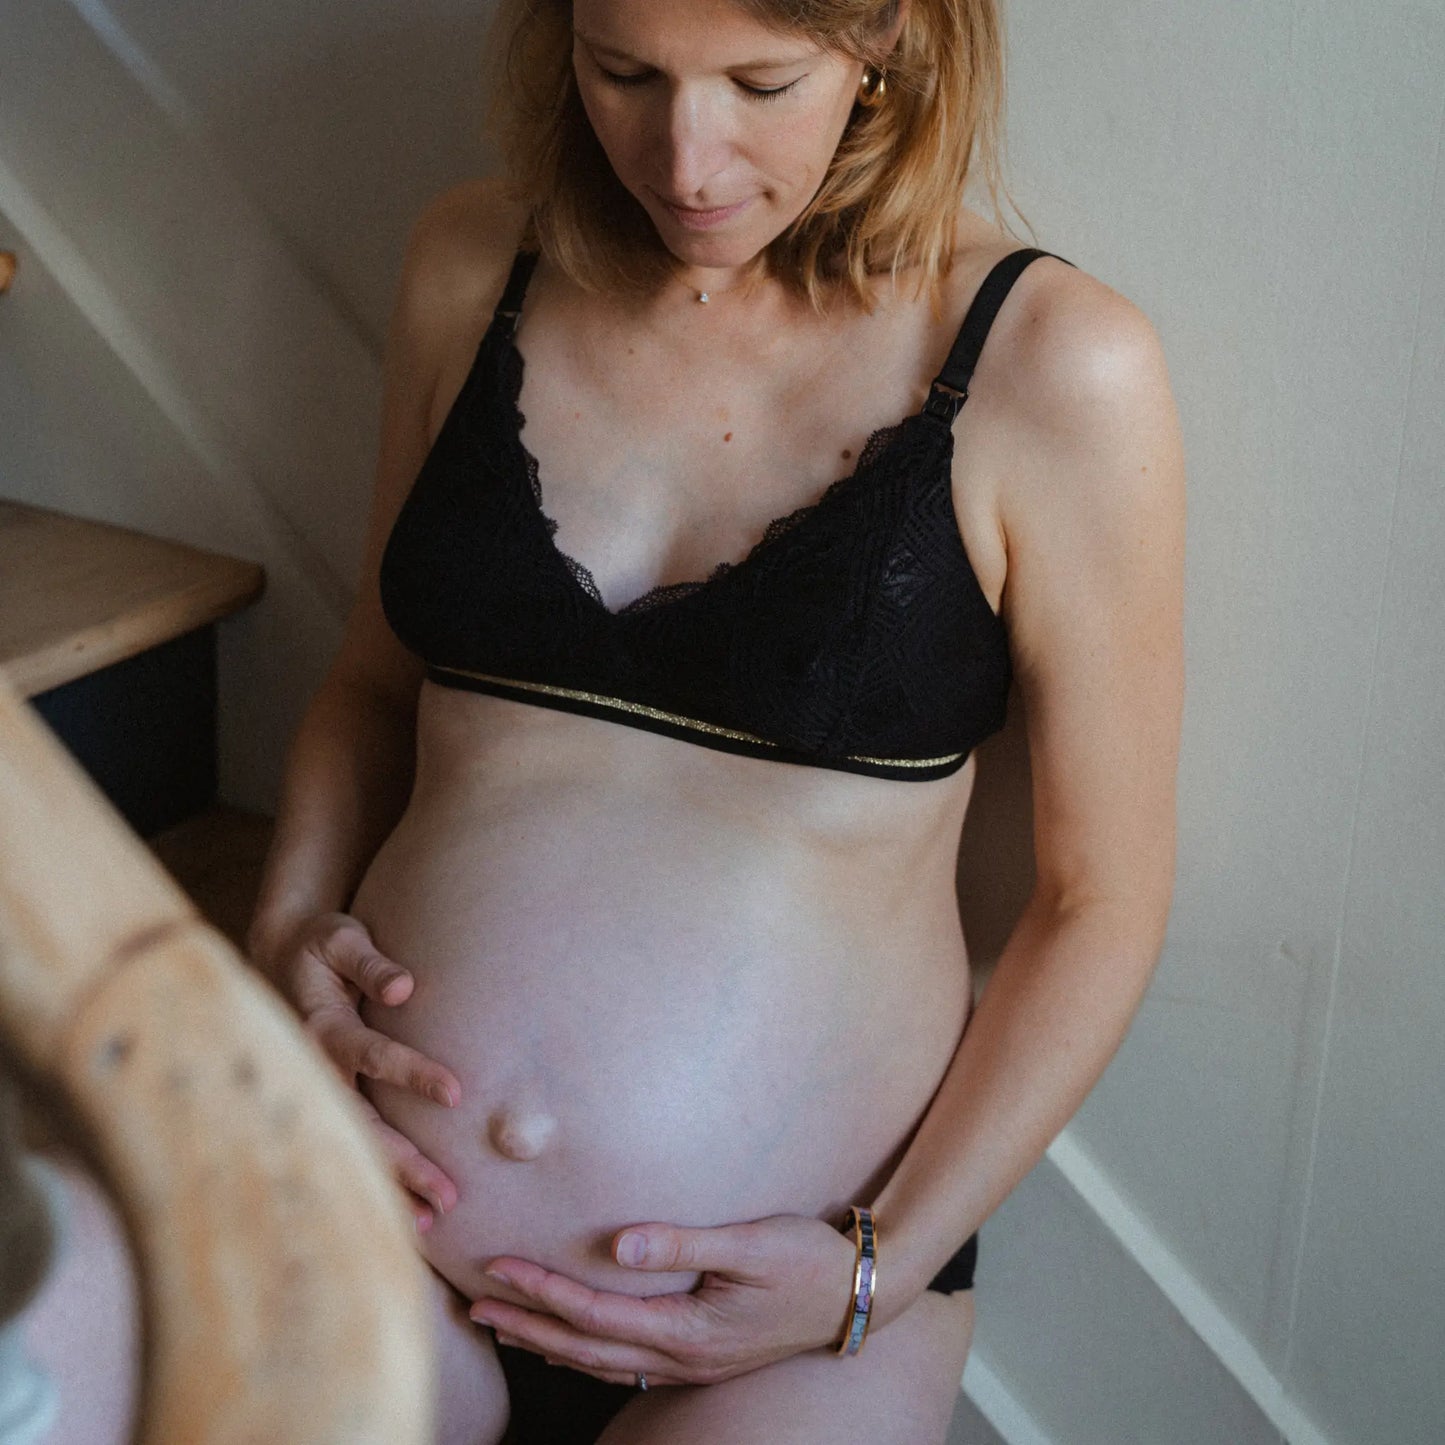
x: 283, y: 1295
x: 77, y: 595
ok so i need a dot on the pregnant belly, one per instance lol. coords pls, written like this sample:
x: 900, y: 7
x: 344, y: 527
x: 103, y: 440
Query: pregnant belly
x: 652, y: 1018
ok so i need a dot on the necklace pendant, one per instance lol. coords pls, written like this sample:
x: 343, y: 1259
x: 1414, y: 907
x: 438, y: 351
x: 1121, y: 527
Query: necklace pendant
x: 703, y: 297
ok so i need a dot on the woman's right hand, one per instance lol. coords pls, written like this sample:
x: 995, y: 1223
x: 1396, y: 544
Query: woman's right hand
x: 323, y: 967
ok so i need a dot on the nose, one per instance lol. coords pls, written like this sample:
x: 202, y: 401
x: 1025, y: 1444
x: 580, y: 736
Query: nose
x: 695, y: 146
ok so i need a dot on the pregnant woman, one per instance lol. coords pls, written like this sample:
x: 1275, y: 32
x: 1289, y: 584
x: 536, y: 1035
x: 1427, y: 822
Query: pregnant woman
x: 616, y: 856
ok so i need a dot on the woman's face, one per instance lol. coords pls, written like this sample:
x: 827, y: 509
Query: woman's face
x: 721, y: 128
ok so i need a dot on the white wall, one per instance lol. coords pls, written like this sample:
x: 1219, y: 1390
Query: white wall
x: 1265, y: 181
x: 1243, y: 1233
x: 209, y: 205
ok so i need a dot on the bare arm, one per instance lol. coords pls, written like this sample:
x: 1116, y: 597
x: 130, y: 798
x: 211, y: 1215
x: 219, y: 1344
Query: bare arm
x: 1094, y: 522
x: 347, y: 780
x: 350, y: 767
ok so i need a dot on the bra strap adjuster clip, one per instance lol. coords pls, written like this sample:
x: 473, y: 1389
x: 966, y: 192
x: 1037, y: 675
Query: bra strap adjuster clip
x: 944, y: 402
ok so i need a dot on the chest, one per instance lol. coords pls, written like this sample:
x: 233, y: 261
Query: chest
x: 852, y: 634
x: 659, y: 460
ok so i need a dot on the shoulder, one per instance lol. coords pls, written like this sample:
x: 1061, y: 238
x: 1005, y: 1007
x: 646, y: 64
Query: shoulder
x: 1077, y: 390
x: 1072, y: 355
x: 457, y: 256
x: 1084, y: 454
x: 458, y: 252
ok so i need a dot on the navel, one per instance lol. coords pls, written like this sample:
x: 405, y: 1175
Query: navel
x: 520, y: 1133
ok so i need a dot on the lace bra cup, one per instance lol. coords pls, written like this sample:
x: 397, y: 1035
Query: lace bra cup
x: 854, y: 635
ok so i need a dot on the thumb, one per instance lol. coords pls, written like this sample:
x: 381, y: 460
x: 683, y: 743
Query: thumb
x: 728, y: 1248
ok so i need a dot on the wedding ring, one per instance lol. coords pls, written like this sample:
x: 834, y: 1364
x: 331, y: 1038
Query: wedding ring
x: 641, y: 1380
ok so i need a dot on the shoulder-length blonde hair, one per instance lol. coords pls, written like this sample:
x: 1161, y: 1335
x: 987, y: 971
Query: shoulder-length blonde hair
x: 890, y: 197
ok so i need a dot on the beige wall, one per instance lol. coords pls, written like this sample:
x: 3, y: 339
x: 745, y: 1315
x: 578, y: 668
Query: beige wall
x: 1243, y: 1233
x: 1265, y: 181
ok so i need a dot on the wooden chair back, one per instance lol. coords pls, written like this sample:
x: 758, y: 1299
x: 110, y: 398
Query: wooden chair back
x: 283, y: 1297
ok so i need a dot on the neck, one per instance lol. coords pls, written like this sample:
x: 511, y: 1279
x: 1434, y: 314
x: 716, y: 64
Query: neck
x: 715, y: 282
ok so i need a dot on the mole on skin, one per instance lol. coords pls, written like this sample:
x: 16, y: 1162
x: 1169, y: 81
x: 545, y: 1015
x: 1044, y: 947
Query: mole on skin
x: 520, y: 1134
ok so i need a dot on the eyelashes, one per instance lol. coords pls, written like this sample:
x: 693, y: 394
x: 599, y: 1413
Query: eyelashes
x: 628, y: 82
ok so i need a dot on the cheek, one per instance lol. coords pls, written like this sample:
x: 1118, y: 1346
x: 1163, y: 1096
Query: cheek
x: 804, y: 145
x: 610, y: 122
x: 597, y: 118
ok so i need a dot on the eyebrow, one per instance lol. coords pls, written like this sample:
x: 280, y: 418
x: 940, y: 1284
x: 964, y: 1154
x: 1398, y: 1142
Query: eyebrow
x: 615, y: 54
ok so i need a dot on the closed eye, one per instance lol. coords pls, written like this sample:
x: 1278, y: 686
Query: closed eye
x: 624, y: 82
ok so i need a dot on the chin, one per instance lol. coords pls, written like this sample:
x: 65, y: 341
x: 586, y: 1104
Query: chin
x: 695, y: 249
x: 730, y: 245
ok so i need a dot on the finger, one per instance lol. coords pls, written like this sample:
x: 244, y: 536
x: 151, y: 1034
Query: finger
x: 552, y: 1337
x: 613, y: 1377
x: 731, y: 1249
x: 350, y: 952
x: 609, y: 1376
x: 359, y: 1050
x: 415, y: 1172
x: 314, y: 986
x: 667, y: 1322
x: 425, y: 1184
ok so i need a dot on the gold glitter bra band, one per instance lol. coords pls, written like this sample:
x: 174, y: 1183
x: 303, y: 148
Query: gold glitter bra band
x: 671, y: 724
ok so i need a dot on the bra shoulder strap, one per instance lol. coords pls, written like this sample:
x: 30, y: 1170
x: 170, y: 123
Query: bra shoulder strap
x: 949, y: 390
x: 510, y: 306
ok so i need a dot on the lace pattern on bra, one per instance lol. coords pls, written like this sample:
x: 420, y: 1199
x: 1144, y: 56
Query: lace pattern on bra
x: 874, y: 450
x: 853, y: 634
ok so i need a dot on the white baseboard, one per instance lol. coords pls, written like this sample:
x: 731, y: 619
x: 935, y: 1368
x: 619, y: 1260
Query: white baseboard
x: 1097, y: 1191
x: 999, y: 1405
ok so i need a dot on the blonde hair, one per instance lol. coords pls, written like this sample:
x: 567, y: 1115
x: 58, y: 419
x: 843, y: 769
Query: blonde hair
x: 890, y: 197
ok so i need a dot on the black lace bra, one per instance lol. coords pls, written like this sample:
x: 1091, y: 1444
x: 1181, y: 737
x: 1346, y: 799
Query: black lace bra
x: 854, y: 635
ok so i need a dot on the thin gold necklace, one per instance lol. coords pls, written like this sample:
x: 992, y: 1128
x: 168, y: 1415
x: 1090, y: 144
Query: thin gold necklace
x: 705, y: 297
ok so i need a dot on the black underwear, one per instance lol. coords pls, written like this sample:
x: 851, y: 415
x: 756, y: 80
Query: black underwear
x: 556, y: 1405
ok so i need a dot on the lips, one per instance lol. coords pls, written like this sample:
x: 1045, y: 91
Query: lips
x: 698, y: 210
x: 696, y: 219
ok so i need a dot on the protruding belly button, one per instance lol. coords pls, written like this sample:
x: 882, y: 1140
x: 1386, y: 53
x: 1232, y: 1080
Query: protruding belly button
x: 520, y: 1135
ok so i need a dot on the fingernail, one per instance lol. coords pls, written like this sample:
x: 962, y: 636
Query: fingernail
x: 497, y: 1275
x: 441, y: 1094
x: 631, y: 1249
x: 423, y: 1223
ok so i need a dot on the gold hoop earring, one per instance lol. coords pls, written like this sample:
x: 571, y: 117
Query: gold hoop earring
x: 872, y: 88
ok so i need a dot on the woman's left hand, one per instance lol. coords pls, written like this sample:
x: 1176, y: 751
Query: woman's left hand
x: 770, y: 1288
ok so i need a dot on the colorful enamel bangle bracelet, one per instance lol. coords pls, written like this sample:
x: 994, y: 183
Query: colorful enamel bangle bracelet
x: 865, y: 1274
